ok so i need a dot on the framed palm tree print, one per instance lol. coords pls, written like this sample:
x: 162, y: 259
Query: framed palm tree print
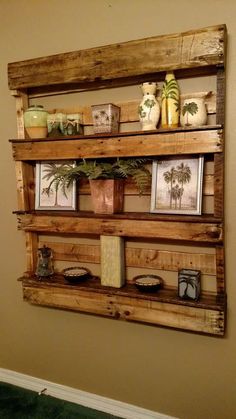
x: 50, y: 193
x: 177, y: 186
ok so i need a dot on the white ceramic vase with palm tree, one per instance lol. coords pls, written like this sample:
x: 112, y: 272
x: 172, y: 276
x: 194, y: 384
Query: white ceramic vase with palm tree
x: 193, y: 112
x: 149, y: 108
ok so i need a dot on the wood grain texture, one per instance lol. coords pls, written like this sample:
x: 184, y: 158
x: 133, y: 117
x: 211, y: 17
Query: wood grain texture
x: 131, y: 189
x: 210, y: 232
x: 220, y: 99
x: 220, y: 270
x: 136, y: 257
x: 164, y: 309
x: 219, y: 185
x: 121, y: 145
x: 31, y: 240
x: 187, y: 50
x: 22, y: 102
x: 25, y: 185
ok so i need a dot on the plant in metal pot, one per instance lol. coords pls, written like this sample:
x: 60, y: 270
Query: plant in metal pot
x: 106, y: 178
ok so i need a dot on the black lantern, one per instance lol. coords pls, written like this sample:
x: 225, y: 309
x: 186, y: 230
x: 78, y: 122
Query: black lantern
x: 44, y: 266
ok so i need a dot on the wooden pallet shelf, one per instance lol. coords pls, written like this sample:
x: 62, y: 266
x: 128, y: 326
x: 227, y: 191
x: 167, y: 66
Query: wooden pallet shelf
x: 190, y: 54
x: 163, y: 309
x: 153, y: 143
x: 126, y: 226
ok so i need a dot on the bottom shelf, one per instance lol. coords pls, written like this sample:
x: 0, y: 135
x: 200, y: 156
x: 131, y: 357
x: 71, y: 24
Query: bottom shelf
x: 162, y: 308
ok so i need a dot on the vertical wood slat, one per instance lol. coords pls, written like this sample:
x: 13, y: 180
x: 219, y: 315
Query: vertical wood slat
x: 25, y: 185
x: 220, y: 270
x: 219, y: 185
x: 21, y: 105
x: 219, y: 159
x: 31, y: 240
x: 220, y: 96
x: 25, y: 182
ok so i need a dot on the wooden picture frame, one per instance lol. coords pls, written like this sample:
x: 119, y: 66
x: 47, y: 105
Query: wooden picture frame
x: 177, y: 185
x: 55, y: 198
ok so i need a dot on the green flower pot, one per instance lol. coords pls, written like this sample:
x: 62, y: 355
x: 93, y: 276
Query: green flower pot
x: 35, y: 120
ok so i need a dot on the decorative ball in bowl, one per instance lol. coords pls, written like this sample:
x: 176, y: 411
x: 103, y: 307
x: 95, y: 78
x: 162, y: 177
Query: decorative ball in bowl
x: 148, y: 283
x: 76, y: 274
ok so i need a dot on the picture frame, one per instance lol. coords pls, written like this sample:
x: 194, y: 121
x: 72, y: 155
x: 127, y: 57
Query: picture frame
x: 53, y: 199
x: 177, y: 185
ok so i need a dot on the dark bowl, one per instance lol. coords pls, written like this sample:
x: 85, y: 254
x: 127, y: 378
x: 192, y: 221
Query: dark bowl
x: 148, y: 283
x: 76, y: 274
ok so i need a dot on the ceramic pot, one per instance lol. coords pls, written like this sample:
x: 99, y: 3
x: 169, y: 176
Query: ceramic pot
x: 193, y: 112
x: 35, y: 121
x: 149, y: 108
x: 170, y: 102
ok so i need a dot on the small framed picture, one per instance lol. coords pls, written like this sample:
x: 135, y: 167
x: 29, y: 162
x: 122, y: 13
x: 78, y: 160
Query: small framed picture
x: 47, y: 195
x: 177, y: 186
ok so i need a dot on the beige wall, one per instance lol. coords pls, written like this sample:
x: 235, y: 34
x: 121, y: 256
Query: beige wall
x: 181, y: 374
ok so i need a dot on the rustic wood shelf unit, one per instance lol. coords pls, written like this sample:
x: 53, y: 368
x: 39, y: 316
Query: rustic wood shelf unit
x: 190, y: 54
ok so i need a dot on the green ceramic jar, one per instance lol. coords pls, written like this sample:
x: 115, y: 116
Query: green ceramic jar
x: 35, y: 120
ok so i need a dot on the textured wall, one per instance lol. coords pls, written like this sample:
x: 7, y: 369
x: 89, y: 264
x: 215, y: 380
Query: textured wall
x: 181, y: 374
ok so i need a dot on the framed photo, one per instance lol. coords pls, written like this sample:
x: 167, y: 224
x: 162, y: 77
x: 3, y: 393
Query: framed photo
x: 50, y: 197
x: 177, y: 186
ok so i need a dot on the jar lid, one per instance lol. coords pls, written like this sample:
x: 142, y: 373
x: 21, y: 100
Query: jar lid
x: 35, y: 106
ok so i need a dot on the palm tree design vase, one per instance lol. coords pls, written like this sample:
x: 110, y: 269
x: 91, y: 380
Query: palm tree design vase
x: 189, y: 284
x: 193, y: 112
x: 170, y: 102
x: 149, y: 108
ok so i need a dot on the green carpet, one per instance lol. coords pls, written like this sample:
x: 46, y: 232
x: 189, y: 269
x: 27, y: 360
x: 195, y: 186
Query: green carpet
x: 19, y: 403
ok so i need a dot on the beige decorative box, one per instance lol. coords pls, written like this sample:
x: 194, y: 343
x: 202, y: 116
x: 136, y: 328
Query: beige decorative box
x: 106, y: 118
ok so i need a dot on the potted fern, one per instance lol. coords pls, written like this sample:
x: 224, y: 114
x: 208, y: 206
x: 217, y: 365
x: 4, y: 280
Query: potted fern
x: 106, y: 178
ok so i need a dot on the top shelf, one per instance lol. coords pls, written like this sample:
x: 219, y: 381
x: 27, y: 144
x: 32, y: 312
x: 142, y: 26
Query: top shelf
x: 189, y: 53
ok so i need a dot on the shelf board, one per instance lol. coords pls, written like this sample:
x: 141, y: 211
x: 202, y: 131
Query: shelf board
x: 161, y: 308
x: 112, y: 63
x: 205, y: 229
x: 208, y: 139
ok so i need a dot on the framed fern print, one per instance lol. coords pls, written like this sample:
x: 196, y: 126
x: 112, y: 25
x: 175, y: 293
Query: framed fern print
x: 51, y: 195
x: 177, y: 186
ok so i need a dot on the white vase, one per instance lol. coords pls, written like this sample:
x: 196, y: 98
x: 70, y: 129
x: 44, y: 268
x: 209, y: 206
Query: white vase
x: 149, y: 108
x: 193, y: 112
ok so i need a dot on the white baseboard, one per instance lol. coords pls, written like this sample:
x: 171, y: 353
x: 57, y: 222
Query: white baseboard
x: 93, y: 401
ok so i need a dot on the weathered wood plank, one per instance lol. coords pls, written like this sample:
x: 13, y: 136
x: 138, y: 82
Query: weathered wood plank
x: 131, y: 189
x: 25, y: 185
x: 220, y: 99
x: 128, y: 307
x: 187, y: 231
x: 145, y: 144
x: 21, y: 105
x: 199, y: 48
x: 136, y: 257
x: 31, y: 240
x: 220, y: 270
x: 219, y: 185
